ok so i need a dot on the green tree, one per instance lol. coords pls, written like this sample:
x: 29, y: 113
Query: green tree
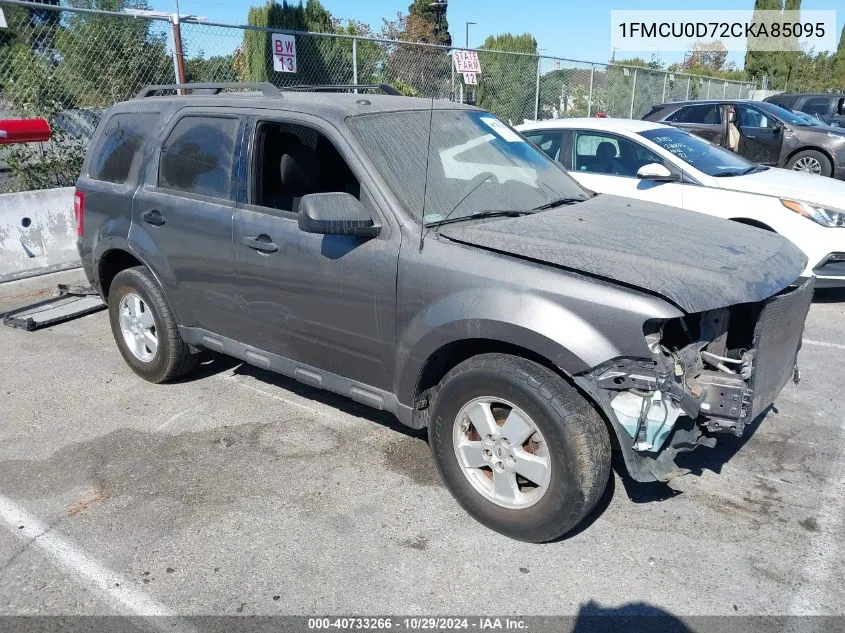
x: 427, y: 23
x: 320, y: 60
x: 764, y: 63
x: 104, y: 59
x: 506, y: 85
x: 838, y: 64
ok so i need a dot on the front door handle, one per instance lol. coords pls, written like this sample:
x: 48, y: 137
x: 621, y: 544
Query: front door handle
x: 750, y: 136
x: 261, y: 243
x: 153, y: 217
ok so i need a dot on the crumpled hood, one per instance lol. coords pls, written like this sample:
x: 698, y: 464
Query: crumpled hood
x: 696, y: 261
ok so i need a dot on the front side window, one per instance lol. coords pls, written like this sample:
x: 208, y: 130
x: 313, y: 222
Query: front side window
x: 817, y: 105
x: 292, y: 161
x: 695, y: 151
x: 605, y: 153
x: 197, y: 156
x: 706, y: 113
x: 752, y: 117
x: 475, y: 163
x: 120, y: 152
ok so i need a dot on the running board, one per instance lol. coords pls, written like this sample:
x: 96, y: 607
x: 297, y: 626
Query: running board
x: 71, y: 302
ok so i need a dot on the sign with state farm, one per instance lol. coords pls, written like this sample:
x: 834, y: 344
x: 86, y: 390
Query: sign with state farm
x: 284, y: 53
x: 466, y: 61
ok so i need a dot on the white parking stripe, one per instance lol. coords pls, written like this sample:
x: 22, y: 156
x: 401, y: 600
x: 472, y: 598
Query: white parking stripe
x: 105, y: 583
x: 808, y: 341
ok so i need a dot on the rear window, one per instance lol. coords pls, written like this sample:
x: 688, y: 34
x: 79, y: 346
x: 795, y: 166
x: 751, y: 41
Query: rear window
x: 704, y: 113
x: 120, y: 150
x: 197, y: 156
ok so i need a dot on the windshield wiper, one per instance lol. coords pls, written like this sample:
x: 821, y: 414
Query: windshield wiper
x: 477, y: 216
x: 558, y: 203
x: 740, y: 172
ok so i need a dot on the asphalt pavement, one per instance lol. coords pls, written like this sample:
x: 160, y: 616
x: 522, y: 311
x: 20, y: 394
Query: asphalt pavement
x: 236, y: 491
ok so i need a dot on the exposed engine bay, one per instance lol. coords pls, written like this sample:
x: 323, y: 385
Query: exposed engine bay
x: 710, y: 372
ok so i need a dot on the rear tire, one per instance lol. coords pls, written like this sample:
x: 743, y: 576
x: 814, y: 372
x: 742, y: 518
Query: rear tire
x: 145, y: 329
x: 533, y: 477
x: 811, y: 162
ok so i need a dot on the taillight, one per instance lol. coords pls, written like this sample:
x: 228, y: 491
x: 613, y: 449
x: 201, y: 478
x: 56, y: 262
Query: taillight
x: 78, y: 210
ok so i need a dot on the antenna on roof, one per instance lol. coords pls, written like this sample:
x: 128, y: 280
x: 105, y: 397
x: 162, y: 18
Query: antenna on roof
x: 425, y: 183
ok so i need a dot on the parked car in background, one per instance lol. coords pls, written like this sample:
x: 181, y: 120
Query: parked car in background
x: 829, y: 107
x: 659, y: 163
x: 769, y: 134
x: 366, y: 244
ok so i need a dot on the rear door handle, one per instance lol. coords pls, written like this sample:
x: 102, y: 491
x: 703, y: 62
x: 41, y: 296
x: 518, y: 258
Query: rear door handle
x: 750, y: 136
x: 153, y: 217
x: 262, y: 243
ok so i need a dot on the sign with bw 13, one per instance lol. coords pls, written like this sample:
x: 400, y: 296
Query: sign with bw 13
x: 284, y: 53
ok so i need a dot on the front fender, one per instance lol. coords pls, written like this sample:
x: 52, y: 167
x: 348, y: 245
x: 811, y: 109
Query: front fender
x: 507, y: 315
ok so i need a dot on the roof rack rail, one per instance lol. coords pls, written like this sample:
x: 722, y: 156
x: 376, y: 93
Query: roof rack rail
x: 265, y: 88
x: 385, y: 88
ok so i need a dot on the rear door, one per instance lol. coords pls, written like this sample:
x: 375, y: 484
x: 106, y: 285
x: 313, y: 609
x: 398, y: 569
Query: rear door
x: 701, y: 119
x: 182, y: 216
x: 761, y: 135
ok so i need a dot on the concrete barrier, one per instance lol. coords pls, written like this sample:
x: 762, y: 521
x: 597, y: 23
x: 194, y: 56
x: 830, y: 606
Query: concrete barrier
x: 37, y: 233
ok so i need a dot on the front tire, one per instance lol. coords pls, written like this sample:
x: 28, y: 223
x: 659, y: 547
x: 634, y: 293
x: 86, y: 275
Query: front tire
x: 519, y: 448
x: 145, y: 329
x: 812, y: 162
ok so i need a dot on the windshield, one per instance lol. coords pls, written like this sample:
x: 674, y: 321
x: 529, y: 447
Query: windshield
x: 476, y: 163
x: 705, y: 157
x: 807, y: 119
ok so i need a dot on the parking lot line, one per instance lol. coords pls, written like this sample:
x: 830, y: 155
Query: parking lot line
x: 823, y: 344
x: 103, y: 582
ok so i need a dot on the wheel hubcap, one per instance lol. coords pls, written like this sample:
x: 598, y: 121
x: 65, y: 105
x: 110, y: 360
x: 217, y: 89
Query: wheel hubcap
x: 808, y: 164
x: 138, y: 328
x: 501, y: 452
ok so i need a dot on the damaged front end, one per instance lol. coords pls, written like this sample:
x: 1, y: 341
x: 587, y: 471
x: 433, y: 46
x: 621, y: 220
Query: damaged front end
x: 710, y: 372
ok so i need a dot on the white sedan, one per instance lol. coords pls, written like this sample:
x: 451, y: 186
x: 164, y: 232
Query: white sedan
x: 650, y: 161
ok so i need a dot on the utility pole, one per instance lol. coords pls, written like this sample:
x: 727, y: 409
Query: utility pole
x: 466, y: 42
x: 176, y: 22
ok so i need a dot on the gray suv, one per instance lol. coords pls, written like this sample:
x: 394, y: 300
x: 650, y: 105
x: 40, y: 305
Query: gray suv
x: 423, y: 258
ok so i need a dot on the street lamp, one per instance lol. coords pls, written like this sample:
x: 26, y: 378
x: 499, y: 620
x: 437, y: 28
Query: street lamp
x: 467, y: 33
x: 439, y: 7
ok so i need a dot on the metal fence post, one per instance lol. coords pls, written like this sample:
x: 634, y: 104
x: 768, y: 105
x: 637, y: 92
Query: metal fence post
x: 355, y: 61
x: 590, y: 96
x: 633, y: 92
x: 724, y: 89
x: 708, y: 87
x: 688, y: 80
x: 537, y: 91
x: 665, y: 77
x: 452, y: 79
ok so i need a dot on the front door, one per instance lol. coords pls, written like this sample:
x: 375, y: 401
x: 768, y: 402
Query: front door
x: 328, y: 301
x: 182, y: 218
x: 761, y: 135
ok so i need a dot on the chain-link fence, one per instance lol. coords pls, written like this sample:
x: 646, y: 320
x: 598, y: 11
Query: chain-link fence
x: 70, y: 64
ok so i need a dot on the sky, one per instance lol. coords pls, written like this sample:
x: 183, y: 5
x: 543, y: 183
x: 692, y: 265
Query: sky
x: 572, y: 29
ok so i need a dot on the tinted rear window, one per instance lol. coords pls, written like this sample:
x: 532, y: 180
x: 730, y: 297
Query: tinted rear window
x: 197, y: 156
x: 704, y: 113
x: 120, y: 151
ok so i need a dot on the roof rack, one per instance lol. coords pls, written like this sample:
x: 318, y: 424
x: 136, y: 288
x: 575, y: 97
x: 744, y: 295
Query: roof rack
x: 385, y: 88
x: 264, y: 87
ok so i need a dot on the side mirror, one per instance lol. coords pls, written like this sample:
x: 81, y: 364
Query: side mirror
x: 777, y: 127
x: 657, y: 172
x: 840, y: 107
x: 335, y: 213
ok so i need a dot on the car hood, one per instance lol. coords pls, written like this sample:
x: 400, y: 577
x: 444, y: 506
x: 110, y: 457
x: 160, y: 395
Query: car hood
x: 695, y: 261
x: 786, y: 183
